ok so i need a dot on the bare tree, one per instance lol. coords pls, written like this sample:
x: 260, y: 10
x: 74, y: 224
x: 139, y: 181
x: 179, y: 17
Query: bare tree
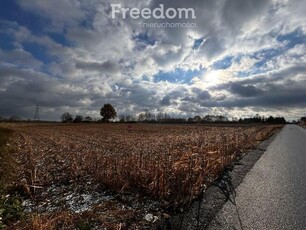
x: 67, y: 117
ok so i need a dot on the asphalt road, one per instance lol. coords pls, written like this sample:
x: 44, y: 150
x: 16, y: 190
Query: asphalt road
x: 273, y: 193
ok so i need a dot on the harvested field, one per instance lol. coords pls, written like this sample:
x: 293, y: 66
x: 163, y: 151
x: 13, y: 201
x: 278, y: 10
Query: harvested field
x: 170, y: 164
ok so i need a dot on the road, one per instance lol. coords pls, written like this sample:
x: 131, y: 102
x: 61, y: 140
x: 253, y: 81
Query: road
x: 273, y: 193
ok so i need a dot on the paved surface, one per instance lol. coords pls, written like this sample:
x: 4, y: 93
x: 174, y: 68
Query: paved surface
x: 273, y: 193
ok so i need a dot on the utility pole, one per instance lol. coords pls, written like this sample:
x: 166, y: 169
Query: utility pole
x: 36, y: 115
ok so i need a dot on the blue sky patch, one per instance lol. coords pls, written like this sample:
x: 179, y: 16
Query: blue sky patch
x: 144, y: 38
x: 59, y: 38
x: 39, y: 52
x: 145, y: 78
x: 223, y: 63
x: 197, y: 43
x: 6, y: 42
x: 177, y: 76
x: 9, y: 10
x: 293, y: 38
x: 265, y: 55
x: 250, y: 72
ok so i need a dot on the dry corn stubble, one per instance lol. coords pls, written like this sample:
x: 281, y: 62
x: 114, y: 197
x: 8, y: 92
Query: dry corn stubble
x: 173, y: 163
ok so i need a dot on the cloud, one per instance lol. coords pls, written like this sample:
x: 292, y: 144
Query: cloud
x: 108, y: 66
x: 166, y: 101
x: 20, y: 57
x: 245, y: 91
x: 60, y: 13
x: 244, y: 56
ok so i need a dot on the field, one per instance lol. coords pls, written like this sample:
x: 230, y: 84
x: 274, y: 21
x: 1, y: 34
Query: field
x: 113, y: 175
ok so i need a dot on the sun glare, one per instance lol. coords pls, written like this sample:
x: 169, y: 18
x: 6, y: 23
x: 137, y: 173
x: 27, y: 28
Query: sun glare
x: 212, y: 77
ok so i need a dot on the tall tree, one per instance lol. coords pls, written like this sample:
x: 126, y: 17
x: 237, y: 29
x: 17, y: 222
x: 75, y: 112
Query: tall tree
x: 67, y: 117
x: 108, y: 112
x: 78, y: 119
x: 88, y: 119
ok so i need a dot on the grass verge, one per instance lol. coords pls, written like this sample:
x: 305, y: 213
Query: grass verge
x: 10, y: 204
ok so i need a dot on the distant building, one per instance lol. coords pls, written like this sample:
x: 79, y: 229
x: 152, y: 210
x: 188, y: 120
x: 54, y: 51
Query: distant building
x: 303, y: 120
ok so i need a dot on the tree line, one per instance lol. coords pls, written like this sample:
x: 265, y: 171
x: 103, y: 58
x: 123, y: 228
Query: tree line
x: 108, y: 112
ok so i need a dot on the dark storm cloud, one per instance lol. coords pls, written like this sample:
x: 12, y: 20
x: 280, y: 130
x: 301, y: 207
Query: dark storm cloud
x: 197, y: 96
x: 178, y: 93
x: 24, y: 89
x: 281, y: 98
x: 142, y: 96
x: 277, y: 75
x: 201, y: 94
x: 258, y: 82
x: 166, y: 101
x: 289, y: 93
x: 192, y: 109
x: 245, y: 91
x: 238, y: 12
x: 282, y: 88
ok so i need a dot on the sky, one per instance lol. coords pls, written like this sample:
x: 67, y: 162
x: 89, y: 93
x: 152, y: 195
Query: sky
x: 243, y: 57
